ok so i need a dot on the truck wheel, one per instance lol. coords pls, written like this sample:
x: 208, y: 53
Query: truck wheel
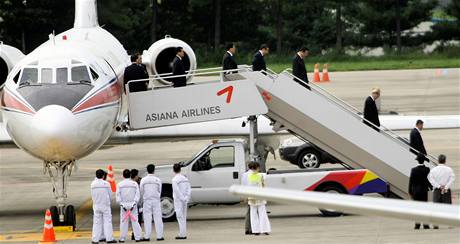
x: 309, y: 159
x: 70, y: 217
x: 167, y: 204
x: 331, y: 190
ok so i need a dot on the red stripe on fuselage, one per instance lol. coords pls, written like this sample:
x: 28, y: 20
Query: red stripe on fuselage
x: 110, y: 94
x: 9, y: 101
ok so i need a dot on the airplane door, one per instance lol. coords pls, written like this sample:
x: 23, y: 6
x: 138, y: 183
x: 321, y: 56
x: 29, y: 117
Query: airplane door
x: 212, y: 174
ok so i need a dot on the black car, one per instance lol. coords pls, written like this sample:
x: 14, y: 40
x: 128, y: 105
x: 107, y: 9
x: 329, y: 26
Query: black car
x: 304, y: 154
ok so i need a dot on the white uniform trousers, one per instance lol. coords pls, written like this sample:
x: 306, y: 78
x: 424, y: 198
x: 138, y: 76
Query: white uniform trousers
x: 259, y: 219
x: 102, y: 224
x: 181, y: 214
x: 134, y: 223
x: 152, y: 207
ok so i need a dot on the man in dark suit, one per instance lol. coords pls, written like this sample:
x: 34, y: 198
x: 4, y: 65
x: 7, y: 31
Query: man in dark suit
x: 179, y: 69
x: 258, y: 63
x: 371, y: 112
x: 298, y: 64
x: 419, y: 184
x: 228, y: 61
x: 136, y: 71
x: 416, y: 140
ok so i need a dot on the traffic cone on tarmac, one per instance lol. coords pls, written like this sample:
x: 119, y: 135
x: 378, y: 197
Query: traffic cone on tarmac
x: 110, y: 178
x: 48, y: 230
x: 325, y: 77
x: 316, y: 74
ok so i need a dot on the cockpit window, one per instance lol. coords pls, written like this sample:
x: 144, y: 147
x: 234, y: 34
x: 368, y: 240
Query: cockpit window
x: 80, y: 73
x: 47, y: 75
x: 61, y: 75
x: 29, y: 75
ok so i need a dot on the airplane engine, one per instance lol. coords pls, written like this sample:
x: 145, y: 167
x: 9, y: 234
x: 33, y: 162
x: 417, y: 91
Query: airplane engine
x: 9, y: 56
x: 158, y: 58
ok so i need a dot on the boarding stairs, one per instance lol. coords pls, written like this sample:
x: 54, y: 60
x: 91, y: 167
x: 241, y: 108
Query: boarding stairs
x: 306, y: 110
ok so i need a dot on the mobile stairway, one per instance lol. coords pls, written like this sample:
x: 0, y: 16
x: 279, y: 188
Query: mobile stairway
x: 306, y: 110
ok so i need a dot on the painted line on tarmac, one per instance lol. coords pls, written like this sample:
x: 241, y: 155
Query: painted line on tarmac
x: 64, y: 236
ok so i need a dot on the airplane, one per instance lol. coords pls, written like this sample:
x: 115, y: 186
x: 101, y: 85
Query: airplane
x: 435, y: 213
x: 65, y: 99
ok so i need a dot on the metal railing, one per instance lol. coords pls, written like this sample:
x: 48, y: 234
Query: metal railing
x: 356, y: 113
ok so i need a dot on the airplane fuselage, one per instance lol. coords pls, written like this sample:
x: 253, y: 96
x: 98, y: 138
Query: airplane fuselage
x: 63, y: 100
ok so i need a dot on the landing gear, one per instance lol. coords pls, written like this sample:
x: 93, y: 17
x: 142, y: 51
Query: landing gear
x: 58, y: 173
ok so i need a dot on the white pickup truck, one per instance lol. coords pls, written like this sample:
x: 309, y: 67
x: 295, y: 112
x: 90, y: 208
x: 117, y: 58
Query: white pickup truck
x: 221, y: 164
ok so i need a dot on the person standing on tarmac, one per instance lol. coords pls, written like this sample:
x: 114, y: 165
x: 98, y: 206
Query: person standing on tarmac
x: 371, y: 112
x: 181, y: 194
x: 151, y: 196
x: 258, y: 63
x: 102, y: 213
x: 128, y: 196
x: 136, y: 178
x: 419, y: 184
x: 259, y: 218
x: 442, y: 178
x: 178, y: 69
x: 244, y: 182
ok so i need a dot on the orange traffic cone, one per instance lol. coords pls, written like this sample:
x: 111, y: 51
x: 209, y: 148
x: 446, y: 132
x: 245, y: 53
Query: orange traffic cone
x: 48, y: 230
x: 316, y: 74
x: 325, y: 74
x: 110, y: 178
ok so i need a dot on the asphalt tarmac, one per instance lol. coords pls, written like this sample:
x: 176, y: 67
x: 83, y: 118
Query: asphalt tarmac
x: 25, y: 192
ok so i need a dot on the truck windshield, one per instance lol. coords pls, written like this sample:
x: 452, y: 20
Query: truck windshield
x: 187, y: 162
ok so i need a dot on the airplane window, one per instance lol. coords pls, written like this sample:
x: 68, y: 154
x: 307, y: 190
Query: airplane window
x: 47, y: 75
x: 80, y: 73
x: 29, y: 75
x: 16, y: 77
x: 93, y: 74
x: 61, y: 75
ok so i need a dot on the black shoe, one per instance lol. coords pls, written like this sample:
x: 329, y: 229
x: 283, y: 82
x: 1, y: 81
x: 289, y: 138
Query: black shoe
x: 256, y: 234
x: 121, y: 241
x: 416, y: 227
x: 139, y: 240
x: 112, y: 241
x: 426, y: 227
x: 145, y: 239
x: 94, y: 242
x: 181, y: 237
x: 102, y: 240
x: 160, y: 239
x: 266, y: 233
x: 435, y: 227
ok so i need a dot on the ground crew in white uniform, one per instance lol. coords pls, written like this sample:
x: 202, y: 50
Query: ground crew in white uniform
x: 151, y: 194
x: 247, y: 217
x: 102, y: 214
x: 181, y: 194
x: 259, y: 218
x: 128, y: 196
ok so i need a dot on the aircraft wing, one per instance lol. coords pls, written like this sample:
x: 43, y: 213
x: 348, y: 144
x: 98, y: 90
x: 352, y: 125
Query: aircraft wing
x: 394, y: 208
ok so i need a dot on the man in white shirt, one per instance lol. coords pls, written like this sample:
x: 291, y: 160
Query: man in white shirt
x: 244, y: 182
x: 441, y: 178
x: 128, y: 196
x: 181, y: 194
x: 102, y: 214
x: 151, y: 195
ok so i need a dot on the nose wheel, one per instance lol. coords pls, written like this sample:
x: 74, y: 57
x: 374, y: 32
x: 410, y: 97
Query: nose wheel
x: 58, y: 173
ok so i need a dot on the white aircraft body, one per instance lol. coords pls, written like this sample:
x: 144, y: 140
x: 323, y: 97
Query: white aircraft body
x: 64, y: 100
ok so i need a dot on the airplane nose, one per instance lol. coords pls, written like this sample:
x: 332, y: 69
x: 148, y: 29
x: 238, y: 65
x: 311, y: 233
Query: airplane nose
x: 55, y: 128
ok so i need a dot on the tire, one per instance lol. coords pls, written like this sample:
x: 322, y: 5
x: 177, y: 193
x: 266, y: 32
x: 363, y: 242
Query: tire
x: 333, y: 190
x: 70, y: 217
x: 55, y: 216
x: 309, y: 159
x: 167, y: 204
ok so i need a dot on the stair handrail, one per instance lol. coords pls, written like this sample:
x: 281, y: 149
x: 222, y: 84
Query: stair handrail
x: 355, y: 112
